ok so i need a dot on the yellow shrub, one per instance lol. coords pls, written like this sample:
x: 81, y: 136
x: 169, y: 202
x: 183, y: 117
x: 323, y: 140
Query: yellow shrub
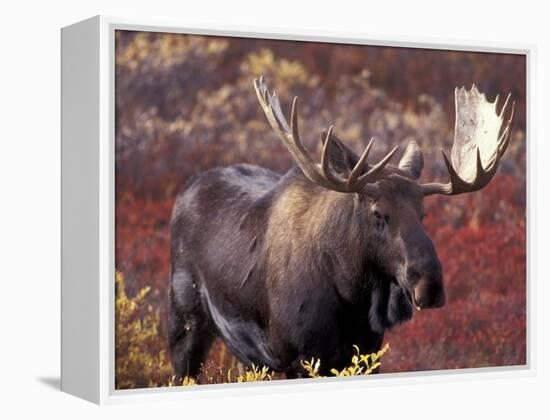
x: 139, y: 360
x: 361, y: 364
x: 254, y: 375
x: 282, y: 72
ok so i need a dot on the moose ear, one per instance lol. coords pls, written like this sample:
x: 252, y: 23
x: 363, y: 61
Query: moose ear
x: 341, y: 157
x: 412, y: 161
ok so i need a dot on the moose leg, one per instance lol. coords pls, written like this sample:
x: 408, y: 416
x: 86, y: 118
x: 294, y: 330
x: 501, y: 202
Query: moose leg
x: 190, y: 334
x: 295, y: 369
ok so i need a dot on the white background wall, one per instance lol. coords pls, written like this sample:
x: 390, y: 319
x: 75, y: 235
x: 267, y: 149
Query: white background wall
x: 29, y: 204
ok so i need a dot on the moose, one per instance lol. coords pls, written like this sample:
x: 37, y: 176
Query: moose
x: 284, y: 268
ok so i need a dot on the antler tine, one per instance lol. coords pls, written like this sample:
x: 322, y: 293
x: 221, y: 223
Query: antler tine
x: 505, y: 104
x: 319, y: 174
x: 477, y: 129
x: 360, y: 163
x: 290, y: 136
x: 376, y: 169
x: 503, y: 146
x: 504, y: 139
x: 327, y: 145
x: 294, y: 119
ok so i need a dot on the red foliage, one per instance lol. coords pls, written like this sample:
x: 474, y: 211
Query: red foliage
x: 480, y: 239
x: 143, y: 242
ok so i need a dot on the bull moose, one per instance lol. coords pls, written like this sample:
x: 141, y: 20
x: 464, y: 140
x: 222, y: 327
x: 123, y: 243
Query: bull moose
x: 306, y: 264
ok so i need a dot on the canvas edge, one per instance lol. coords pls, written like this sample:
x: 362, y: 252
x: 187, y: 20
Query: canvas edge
x: 80, y: 137
x: 107, y: 392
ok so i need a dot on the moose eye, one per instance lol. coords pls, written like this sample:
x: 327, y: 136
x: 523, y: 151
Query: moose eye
x: 379, y: 216
x: 380, y: 220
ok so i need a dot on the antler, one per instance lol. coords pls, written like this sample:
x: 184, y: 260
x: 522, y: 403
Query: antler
x: 477, y: 147
x: 319, y: 174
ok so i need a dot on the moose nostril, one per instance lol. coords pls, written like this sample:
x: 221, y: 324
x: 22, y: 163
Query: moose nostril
x: 429, y: 295
x: 418, y: 299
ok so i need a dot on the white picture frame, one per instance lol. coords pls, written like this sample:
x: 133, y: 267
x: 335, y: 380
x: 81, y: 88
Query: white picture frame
x: 88, y: 269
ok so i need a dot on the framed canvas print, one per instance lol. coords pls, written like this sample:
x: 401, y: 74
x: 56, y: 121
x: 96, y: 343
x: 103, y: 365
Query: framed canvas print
x: 248, y: 210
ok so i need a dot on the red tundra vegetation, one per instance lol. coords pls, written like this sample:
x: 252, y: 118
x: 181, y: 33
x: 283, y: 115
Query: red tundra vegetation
x: 185, y: 104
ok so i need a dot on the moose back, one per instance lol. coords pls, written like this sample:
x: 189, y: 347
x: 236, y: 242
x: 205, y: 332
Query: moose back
x: 329, y: 255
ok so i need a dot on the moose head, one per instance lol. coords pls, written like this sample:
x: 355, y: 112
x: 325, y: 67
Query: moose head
x: 389, y: 199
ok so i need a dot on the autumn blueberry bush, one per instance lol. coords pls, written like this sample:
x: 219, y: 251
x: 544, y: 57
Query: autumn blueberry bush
x: 185, y: 104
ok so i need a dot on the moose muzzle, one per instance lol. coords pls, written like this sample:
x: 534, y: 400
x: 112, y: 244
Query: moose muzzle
x: 429, y: 293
